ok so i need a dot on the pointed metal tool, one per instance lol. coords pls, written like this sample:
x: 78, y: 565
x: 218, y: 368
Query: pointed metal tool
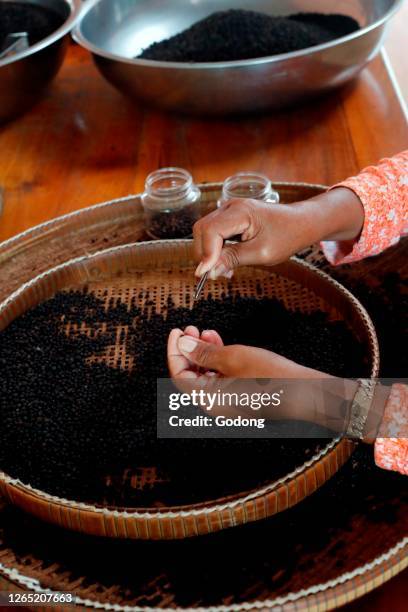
x: 200, y: 286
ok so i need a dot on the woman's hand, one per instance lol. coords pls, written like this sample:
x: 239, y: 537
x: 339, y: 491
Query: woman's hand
x: 197, y: 360
x: 180, y: 366
x: 192, y: 355
x: 202, y: 360
x: 271, y: 233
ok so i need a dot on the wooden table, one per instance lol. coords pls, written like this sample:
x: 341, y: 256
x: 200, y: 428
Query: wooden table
x: 86, y: 143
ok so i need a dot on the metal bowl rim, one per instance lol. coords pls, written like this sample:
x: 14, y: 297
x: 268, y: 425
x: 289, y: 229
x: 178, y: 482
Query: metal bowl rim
x: 75, y: 7
x: 88, y: 5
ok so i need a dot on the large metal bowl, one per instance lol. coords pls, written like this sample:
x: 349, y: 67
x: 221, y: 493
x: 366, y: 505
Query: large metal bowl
x: 25, y: 75
x: 116, y: 31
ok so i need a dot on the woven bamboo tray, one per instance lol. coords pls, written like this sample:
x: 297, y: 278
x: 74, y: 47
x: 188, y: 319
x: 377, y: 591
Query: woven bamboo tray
x: 378, y: 550
x: 158, y: 270
x: 302, y: 559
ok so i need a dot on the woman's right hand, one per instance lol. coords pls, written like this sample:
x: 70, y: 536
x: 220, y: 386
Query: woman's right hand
x: 271, y: 233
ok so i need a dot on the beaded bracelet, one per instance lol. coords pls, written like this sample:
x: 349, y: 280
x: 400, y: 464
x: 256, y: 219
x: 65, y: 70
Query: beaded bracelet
x: 360, y: 408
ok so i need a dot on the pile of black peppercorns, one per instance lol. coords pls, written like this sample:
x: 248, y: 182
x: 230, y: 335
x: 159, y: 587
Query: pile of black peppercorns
x: 324, y: 532
x: 68, y: 423
x: 387, y: 305
x: 38, y: 21
x: 173, y: 224
x: 239, y: 34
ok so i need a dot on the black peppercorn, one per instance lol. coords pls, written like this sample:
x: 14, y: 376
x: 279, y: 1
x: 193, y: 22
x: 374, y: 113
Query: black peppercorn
x: 240, y: 34
x: 71, y: 417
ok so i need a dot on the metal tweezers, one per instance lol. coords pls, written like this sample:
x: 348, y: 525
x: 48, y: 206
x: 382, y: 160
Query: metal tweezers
x: 201, y: 283
x: 200, y: 286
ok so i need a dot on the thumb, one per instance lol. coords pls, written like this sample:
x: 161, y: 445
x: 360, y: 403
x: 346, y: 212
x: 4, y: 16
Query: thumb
x: 204, y: 354
x: 235, y: 255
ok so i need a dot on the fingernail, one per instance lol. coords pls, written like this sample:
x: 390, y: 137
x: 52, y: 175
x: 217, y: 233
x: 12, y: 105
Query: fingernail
x: 229, y: 274
x: 199, y: 269
x: 187, y: 344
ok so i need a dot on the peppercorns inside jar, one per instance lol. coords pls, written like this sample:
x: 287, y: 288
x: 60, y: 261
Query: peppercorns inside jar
x: 170, y: 203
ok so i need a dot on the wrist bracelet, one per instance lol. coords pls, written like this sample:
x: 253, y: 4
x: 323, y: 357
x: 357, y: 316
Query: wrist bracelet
x: 360, y: 408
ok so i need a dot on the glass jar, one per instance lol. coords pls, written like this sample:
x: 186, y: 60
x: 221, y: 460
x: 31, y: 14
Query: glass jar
x: 171, y: 203
x: 248, y: 185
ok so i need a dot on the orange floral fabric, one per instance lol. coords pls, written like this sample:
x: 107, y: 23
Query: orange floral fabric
x: 383, y: 191
x: 391, y: 447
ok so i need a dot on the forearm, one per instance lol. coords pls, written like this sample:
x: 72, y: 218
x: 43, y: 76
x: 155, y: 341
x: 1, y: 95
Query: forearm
x: 326, y: 401
x: 383, y: 193
x: 323, y: 400
x: 335, y: 215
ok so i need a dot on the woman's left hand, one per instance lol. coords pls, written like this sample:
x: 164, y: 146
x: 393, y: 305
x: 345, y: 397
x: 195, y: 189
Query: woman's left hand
x: 192, y: 355
x: 197, y: 360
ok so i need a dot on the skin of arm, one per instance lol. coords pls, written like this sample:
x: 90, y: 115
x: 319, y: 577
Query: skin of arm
x: 358, y: 218
x: 271, y: 234
x: 199, y: 360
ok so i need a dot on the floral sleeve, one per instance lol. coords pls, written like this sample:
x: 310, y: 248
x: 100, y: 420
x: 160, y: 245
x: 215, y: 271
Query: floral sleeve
x: 391, y: 447
x: 383, y: 191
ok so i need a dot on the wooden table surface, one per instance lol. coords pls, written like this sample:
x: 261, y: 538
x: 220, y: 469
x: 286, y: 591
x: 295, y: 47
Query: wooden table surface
x: 85, y: 143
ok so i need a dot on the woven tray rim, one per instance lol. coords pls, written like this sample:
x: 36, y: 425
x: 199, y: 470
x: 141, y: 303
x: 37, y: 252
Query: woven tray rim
x: 204, y: 187
x: 177, y: 511
x: 15, y: 576
x: 28, y: 236
x: 185, y: 510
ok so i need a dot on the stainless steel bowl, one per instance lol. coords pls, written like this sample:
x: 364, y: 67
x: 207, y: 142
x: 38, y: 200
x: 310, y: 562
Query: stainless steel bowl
x: 25, y: 75
x: 116, y: 31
